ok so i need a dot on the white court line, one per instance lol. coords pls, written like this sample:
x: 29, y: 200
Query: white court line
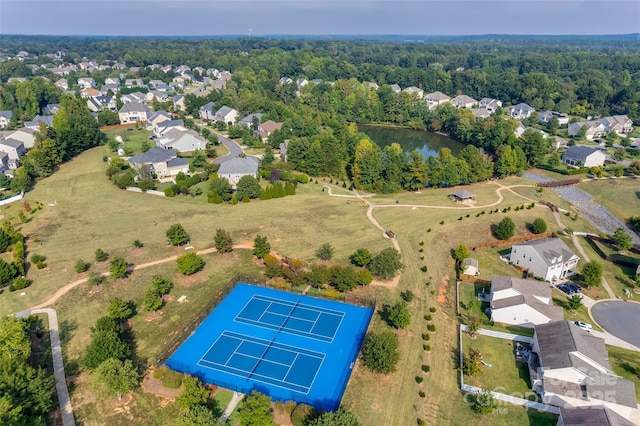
x: 315, y: 308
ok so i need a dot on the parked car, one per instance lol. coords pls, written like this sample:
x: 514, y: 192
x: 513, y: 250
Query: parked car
x: 575, y: 287
x: 585, y: 326
x: 566, y: 289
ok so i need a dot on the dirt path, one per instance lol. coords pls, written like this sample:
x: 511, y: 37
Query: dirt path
x: 68, y: 287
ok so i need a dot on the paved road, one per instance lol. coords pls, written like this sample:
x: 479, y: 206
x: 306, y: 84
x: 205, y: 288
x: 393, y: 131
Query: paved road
x: 234, y: 148
x: 619, y: 318
x: 58, y: 364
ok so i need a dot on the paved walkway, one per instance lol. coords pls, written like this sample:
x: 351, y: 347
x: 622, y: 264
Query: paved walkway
x: 58, y: 364
x: 235, y: 400
x: 514, y: 400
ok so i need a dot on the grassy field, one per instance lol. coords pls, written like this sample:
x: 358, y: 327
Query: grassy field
x: 625, y: 364
x: 620, y: 196
x: 89, y: 212
x: 133, y: 139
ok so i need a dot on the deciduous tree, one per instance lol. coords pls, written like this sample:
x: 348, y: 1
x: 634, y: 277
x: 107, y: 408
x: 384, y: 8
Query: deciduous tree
x: 380, y: 351
x: 177, y: 235
x: 116, y: 376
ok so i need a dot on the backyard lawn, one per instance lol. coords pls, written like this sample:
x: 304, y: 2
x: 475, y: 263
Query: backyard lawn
x: 133, y: 138
x: 626, y: 363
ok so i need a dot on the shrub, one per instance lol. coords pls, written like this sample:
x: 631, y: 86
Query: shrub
x: 426, y: 336
x: 423, y: 268
x: 428, y: 229
x: 504, y: 229
x: 160, y: 284
x: 289, y: 406
x: 301, y: 414
x: 419, y: 379
x: 101, y: 255
x: 81, y: 266
x: 19, y: 283
x: 538, y: 226
x: 432, y: 309
x: 422, y: 394
x: 426, y: 368
x: 118, y: 267
x: 190, y: 263
x: 422, y: 422
x: 138, y: 244
x: 428, y: 317
x: 421, y: 243
x: 407, y: 296
x: 38, y: 260
x: 431, y: 327
x: 95, y: 278
x: 171, y: 379
x: 427, y: 348
x: 160, y: 372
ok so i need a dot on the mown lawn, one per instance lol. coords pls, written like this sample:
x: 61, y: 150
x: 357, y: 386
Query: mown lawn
x: 133, y: 139
x: 620, y: 196
x: 626, y: 363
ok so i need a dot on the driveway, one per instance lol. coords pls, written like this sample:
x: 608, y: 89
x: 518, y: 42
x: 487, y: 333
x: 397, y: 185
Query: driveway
x: 619, y: 318
x: 234, y: 149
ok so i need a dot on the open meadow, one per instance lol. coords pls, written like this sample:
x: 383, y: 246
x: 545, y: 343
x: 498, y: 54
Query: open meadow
x: 84, y: 211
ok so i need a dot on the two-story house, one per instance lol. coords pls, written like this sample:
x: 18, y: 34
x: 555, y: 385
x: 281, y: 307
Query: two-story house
x: 161, y: 162
x: 133, y: 112
x: 546, y: 258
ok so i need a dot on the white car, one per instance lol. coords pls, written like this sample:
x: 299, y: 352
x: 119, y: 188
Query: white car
x: 585, y: 326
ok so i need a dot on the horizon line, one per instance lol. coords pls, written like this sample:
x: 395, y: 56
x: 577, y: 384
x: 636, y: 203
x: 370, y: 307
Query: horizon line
x: 322, y: 35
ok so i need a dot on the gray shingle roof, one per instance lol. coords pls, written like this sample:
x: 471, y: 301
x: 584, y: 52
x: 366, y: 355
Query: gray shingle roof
x: 248, y: 120
x: 462, y: 194
x: 154, y: 155
x: 12, y: 143
x: 556, y: 340
x: 521, y: 285
x: 550, y: 249
x: 239, y: 165
x: 592, y: 416
x: 6, y: 114
x: 177, y: 162
x: 579, y: 151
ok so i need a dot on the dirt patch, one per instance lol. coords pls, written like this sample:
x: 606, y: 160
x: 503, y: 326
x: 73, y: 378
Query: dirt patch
x: 96, y: 289
x: 152, y: 316
x: 154, y: 386
x: 442, y: 290
x: 168, y: 298
x: 187, y: 280
x: 281, y: 416
x: 392, y: 283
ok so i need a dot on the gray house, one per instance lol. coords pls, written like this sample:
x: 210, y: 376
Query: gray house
x: 584, y: 156
x: 591, y: 416
x: 237, y: 167
x: 521, y: 111
x: 162, y: 162
x: 5, y: 118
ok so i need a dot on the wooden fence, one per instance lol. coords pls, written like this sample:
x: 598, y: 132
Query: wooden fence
x: 512, y: 241
x: 552, y: 207
x: 474, y: 279
x: 592, y: 242
x: 556, y: 183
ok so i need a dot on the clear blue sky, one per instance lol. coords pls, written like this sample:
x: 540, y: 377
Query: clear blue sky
x: 264, y: 17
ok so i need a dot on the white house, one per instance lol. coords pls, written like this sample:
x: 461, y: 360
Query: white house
x: 163, y: 126
x: 178, y: 103
x: 5, y: 118
x: 86, y: 82
x: 160, y: 161
x: 181, y: 140
x: 490, y: 104
x: 226, y: 115
x: 546, y: 116
x: 620, y: 124
x: 414, y: 91
x: 25, y: 135
x: 14, y: 149
x: 237, y: 167
x: 206, y: 111
x: 546, y: 258
x: 396, y: 88
x: 584, y: 156
x: 569, y: 367
x: 526, y: 303
x: 436, y: 98
x: 521, y: 111
x: 470, y: 266
x: 464, y: 101
x: 133, y: 112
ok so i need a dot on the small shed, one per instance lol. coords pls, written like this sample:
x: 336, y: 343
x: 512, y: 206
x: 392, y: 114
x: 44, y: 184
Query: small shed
x: 462, y: 195
x: 470, y: 266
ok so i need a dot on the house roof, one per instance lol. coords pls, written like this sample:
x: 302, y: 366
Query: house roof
x: 437, y: 96
x: 554, y: 313
x: 270, y: 126
x: 469, y: 261
x: 239, y: 165
x: 248, y: 120
x: 225, y: 110
x: 580, y: 152
x: 159, y: 114
x: 134, y: 107
x: 521, y: 285
x: 462, y: 194
x: 592, y: 416
x: 46, y: 119
x: 550, y: 249
x: 558, y: 339
x: 521, y: 107
x: 154, y: 155
x: 463, y: 99
x: 395, y: 87
x: 177, y: 162
x: 170, y: 123
x: 208, y: 106
x: 481, y: 112
x: 12, y: 143
x: 6, y: 114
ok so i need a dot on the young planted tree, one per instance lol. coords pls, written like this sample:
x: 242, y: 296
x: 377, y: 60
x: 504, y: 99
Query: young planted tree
x: 472, y: 364
x: 177, y: 235
x: 160, y: 284
x: 341, y: 417
x: 199, y: 415
x: 361, y: 257
x: 484, y: 402
x: 223, y: 241
x: 106, y: 342
x: 504, y: 229
x: 116, y: 376
x: 398, y: 315
x: 622, y: 239
x: 574, y: 302
x: 118, y: 267
x: 256, y: 410
x: 101, y: 255
x: 461, y: 252
x: 539, y: 226
x: 261, y: 247
x: 152, y: 301
x: 380, y: 351
x: 591, y: 274
x: 81, y: 266
x: 193, y: 393
x: 119, y: 310
x: 325, y: 252
x: 189, y: 263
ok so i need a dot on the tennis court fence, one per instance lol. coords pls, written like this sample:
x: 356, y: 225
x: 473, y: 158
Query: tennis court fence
x: 181, y: 335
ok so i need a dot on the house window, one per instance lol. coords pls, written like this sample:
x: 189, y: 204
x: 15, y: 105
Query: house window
x: 517, y: 262
x: 529, y: 259
x: 524, y: 255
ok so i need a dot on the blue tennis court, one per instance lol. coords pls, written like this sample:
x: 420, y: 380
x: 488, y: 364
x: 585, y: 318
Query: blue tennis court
x: 288, y: 346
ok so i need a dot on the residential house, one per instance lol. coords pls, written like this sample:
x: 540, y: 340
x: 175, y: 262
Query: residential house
x: 62, y: 84
x: 5, y: 118
x: 135, y: 97
x: 284, y: 80
x: 464, y: 101
x: 490, y: 104
x: 89, y: 92
x: 163, y: 127
x: 569, y: 367
x: 219, y: 84
x: 436, y: 98
x: 226, y: 115
x: 372, y: 85
x: 161, y: 162
x: 112, y: 80
x: 157, y: 95
x: 134, y: 70
x: 51, y: 109
x: 156, y: 118
x: 414, y: 91
x: 481, y: 113
x: 133, y: 112
x: 14, y: 149
x: 86, y: 82
x: 522, y: 302
x: 4, y: 165
x: 546, y: 116
x: 178, y: 103
x: 62, y: 71
x: 265, y: 129
x: 520, y: 111
x: 583, y: 156
x: 206, y: 111
x: 301, y: 82
x: 155, y: 83
x: 520, y: 129
x: 225, y: 75
x: 546, y: 258
x: 102, y: 102
x: 596, y: 415
x: 181, y: 140
x: 249, y: 119
x: 25, y: 135
x: 35, y: 123
x: 620, y: 124
x: 165, y: 88
x: 234, y: 168
x: 396, y: 88
x: 133, y: 82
